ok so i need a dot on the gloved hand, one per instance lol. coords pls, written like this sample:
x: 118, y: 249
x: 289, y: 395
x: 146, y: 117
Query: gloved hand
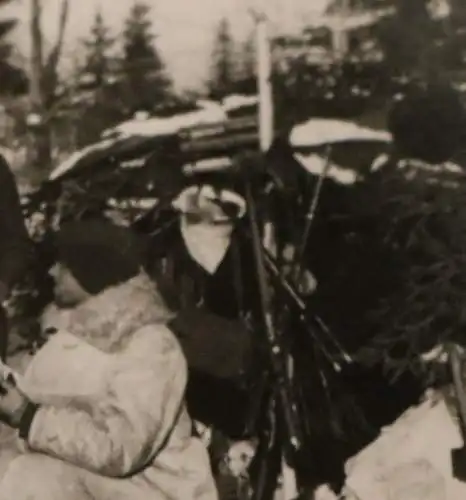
x: 13, y: 402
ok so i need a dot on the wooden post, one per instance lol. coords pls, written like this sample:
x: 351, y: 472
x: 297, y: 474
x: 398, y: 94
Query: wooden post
x: 264, y: 83
x: 339, y: 30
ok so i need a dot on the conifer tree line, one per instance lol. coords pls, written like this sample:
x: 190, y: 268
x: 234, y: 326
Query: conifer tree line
x: 416, y: 36
x: 412, y: 39
x: 128, y: 66
x: 123, y: 72
x: 116, y: 73
x: 233, y: 62
x: 141, y: 72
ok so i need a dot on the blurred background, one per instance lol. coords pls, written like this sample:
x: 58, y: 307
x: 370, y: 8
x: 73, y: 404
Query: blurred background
x: 71, y: 69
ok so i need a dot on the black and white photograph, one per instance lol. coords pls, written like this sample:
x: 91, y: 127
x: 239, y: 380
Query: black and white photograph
x: 232, y: 249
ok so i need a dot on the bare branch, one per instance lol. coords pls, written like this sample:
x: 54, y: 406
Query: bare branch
x: 36, y: 53
x: 54, y: 56
x: 50, y: 68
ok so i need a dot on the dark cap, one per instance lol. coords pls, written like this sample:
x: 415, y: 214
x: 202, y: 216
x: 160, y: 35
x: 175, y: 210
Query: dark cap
x: 98, y: 253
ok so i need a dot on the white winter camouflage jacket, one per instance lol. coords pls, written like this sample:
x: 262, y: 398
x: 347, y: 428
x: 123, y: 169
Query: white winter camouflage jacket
x: 110, y: 384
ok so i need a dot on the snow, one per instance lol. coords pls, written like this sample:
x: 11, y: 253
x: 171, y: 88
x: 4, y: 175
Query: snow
x: 168, y: 126
x: 208, y: 104
x: 209, y: 165
x: 320, y: 131
x: 316, y: 165
x: 210, y: 112
x: 312, y: 133
x: 140, y: 203
x: 236, y: 101
x: 317, y: 132
x: 411, y: 459
x: 73, y: 159
x: 354, y: 21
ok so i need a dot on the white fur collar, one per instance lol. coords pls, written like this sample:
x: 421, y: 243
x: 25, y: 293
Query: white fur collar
x: 108, y: 320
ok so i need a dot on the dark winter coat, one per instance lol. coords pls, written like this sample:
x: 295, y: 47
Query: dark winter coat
x: 15, y: 246
x: 214, y: 339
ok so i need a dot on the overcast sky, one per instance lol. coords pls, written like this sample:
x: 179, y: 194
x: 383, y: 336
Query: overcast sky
x: 185, y: 28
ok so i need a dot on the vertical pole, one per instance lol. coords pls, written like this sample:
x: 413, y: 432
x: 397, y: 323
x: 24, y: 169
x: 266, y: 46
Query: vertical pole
x: 266, y: 131
x: 339, y: 31
x: 289, y: 488
x: 264, y: 84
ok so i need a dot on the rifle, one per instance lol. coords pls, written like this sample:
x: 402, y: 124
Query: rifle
x: 277, y: 358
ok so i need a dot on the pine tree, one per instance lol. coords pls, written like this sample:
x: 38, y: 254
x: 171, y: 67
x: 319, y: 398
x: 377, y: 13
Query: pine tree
x: 408, y: 37
x: 97, y: 47
x: 248, y: 59
x: 223, y: 69
x: 6, y: 26
x: 13, y: 79
x: 98, y: 77
x: 406, y: 32
x: 454, y: 52
x: 146, y: 84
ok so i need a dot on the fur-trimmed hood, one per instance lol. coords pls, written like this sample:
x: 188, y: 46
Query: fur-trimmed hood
x: 108, y: 320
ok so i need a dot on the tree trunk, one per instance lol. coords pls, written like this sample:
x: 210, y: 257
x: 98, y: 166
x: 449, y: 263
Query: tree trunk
x: 44, y: 82
x: 37, y: 56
